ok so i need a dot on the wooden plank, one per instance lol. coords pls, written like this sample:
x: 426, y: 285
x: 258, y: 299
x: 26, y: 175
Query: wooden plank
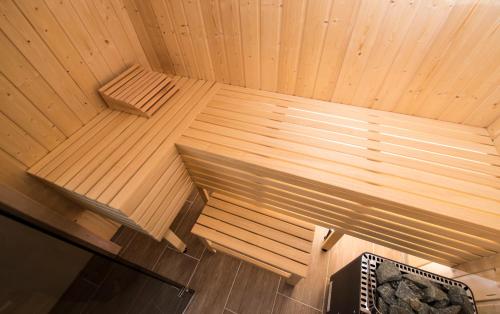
x: 18, y: 144
x: 292, y: 23
x: 21, y: 111
x: 250, y: 250
x: 53, y: 35
x: 270, y: 20
x: 250, y: 39
x: 260, y: 229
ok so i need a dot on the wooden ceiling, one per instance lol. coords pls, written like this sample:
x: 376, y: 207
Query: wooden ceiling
x: 431, y: 58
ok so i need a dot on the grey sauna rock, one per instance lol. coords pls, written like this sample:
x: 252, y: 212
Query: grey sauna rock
x: 395, y: 283
x: 454, y: 309
x: 441, y: 304
x: 387, y: 293
x: 420, y: 281
x: 405, y: 293
x: 388, y: 271
x: 382, y: 306
x: 420, y: 307
x: 463, y: 301
x: 434, y: 293
x: 400, y: 307
x: 419, y: 292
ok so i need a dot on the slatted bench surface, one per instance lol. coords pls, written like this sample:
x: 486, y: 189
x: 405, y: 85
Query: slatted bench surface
x: 126, y: 166
x: 426, y: 187
x: 139, y: 91
x: 268, y: 237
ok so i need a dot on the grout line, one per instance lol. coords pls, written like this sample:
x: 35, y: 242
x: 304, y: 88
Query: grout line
x: 191, y: 278
x: 232, y: 285
x: 276, y: 295
x: 195, y: 268
x: 312, y: 307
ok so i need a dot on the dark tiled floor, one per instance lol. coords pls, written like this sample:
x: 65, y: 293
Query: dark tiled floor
x: 227, y: 285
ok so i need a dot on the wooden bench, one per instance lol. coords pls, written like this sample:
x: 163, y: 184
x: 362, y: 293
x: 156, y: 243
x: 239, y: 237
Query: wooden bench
x: 127, y: 167
x: 262, y: 237
x: 425, y: 187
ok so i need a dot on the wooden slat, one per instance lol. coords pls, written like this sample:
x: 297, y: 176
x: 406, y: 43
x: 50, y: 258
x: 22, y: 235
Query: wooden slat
x: 251, y: 250
x: 255, y: 239
x: 393, y: 221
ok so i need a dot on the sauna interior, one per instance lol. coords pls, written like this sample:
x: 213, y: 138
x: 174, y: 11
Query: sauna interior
x: 235, y: 156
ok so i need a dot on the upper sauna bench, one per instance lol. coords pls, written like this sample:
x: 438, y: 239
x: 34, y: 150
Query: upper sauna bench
x: 425, y: 187
x: 126, y: 166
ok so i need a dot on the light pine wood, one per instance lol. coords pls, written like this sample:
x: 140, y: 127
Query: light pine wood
x: 354, y: 169
x: 430, y: 59
x: 494, y: 130
x: 331, y: 239
x: 246, y: 231
x: 125, y: 166
x: 148, y: 91
x: 176, y: 242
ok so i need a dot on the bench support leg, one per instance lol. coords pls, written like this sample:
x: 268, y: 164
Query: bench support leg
x: 293, y: 280
x: 204, y: 194
x: 207, y: 244
x: 176, y: 242
x: 331, y: 238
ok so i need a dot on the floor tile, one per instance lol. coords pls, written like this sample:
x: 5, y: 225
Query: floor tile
x: 144, y: 250
x: 158, y: 297
x: 253, y: 291
x: 212, y: 282
x: 123, y: 236
x: 118, y: 291
x: 310, y: 290
x: 286, y: 305
x: 176, y: 266
x: 180, y: 216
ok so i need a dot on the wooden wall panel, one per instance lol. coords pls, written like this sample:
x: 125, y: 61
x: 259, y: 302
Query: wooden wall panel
x: 435, y: 59
x: 494, y: 130
x: 54, y: 55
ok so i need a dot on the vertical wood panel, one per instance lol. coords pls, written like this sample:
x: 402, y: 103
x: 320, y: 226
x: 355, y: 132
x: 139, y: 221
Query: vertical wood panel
x: 20, y: 32
x: 270, y: 20
x: 54, y: 54
x: 316, y: 23
x: 212, y: 63
x: 54, y: 37
x: 292, y: 24
x: 250, y: 36
x: 430, y: 58
x: 181, y: 26
x: 337, y: 39
x: 22, y: 112
x: 230, y: 15
x: 25, y: 77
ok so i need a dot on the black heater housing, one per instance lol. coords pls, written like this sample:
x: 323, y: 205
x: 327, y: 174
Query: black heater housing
x: 352, y: 289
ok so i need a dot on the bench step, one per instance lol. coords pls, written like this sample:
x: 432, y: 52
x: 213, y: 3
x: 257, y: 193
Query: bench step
x: 267, y: 239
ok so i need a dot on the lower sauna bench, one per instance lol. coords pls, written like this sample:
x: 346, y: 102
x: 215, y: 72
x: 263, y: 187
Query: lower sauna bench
x: 267, y: 239
x: 126, y: 167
